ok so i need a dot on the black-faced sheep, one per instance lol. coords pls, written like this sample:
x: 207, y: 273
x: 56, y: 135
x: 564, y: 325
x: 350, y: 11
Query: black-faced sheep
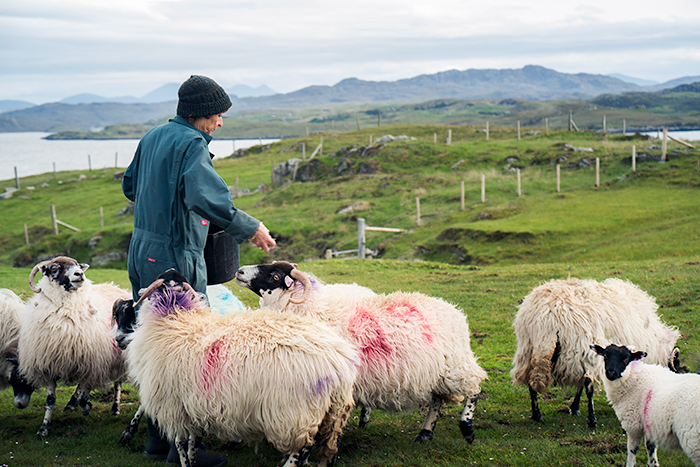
x: 652, y: 401
x: 243, y: 376
x: 557, y: 321
x: 414, y: 349
x: 66, y: 334
x: 11, y: 309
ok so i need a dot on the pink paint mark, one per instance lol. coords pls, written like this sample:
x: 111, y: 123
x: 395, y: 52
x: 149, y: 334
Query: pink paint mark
x: 411, y: 315
x: 211, y: 367
x: 370, y: 337
x: 646, y: 415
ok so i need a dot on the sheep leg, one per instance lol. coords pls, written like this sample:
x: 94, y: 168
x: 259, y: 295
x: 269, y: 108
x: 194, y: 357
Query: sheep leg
x: 185, y: 450
x: 364, y: 416
x: 534, y: 406
x: 431, y: 417
x: 50, y: 404
x: 73, y: 402
x: 634, y: 438
x: 297, y: 459
x: 130, y: 430
x: 85, y: 404
x: 653, y: 461
x: 466, y: 422
x: 591, y: 420
x: 116, y: 405
x: 575, y: 408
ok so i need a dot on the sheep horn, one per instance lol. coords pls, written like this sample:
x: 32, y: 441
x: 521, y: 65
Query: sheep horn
x: 149, y: 291
x: 34, y: 288
x: 304, y: 279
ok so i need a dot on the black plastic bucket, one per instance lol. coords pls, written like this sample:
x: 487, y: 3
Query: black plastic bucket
x: 221, y: 256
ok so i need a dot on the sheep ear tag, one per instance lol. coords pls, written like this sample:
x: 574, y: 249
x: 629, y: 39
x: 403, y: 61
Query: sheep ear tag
x: 288, y: 281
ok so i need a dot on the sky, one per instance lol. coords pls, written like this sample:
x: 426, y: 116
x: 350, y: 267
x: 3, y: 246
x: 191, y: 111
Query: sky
x: 50, y: 50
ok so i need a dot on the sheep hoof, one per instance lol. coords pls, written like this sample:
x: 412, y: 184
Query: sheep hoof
x: 592, y: 422
x: 86, y: 408
x: 127, y: 435
x: 574, y: 413
x: 537, y: 417
x: 363, y: 423
x: 467, y: 431
x: 44, y: 430
x: 115, y: 409
x: 424, y: 435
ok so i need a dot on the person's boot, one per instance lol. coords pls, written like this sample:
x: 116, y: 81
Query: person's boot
x: 157, y: 447
x: 202, y: 459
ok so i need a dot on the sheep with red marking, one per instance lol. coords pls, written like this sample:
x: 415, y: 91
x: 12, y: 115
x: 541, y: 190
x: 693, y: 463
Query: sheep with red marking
x: 11, y: 309
x: 557, y: 321
x: 414, y: 349
x: 66, y: 334
x: 243, y: 376
x: 652, y: 401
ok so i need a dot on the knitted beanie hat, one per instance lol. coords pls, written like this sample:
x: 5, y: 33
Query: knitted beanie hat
x: 200, y: 96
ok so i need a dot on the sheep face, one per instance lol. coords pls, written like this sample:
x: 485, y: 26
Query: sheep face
x: 62, y: 271
x: 124, y: 315
x: 265, y: 279
x: 616, y: 359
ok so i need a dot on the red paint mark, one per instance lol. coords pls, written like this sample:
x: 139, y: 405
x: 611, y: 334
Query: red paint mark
x: 409, y: 314
x: 646, y: 415
x: 211, y: 367
x: 370, y: 337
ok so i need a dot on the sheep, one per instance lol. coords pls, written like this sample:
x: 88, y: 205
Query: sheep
x: 557, y: 321
x: 414, y: 349
x: 11, y: 309
x: 242, y: 376
x: 66, y: 333
x: 653, y: 401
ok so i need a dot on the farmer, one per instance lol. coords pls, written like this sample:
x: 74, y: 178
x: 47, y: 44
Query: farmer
x: 177, y: 194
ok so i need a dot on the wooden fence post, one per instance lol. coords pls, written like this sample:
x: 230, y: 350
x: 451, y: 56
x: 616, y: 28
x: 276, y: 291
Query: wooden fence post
x: 329, y: 254
x: 54, y: 224
x: 434, y: 137
x: 624, y: 127
x: 462, y: 196
x: 597, y: 171
x: 634, y: 158
x: 518, y: 130
x: 517, y: 171
x: 546, y: 126
x: 303, y: 152
x: 236, y: 188
x: 558, y: 179
x: 664, y: 145
x: 89, y: 163
x: 361, y: 237
x: 487, y: 130
x: 417, y: 210
x: 16, y: 179
x: 102, y: 217
x: 116, y: 160
x: 483, y: 188
x: 604, y: 128
x: 449, y: 136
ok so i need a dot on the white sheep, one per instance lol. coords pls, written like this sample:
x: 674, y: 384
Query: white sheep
x: 557, y: 321
x: 414, y: 349
x: 243, y: 376
x: 652, y: 401
x: 11, y: 309
x: 66, y: 334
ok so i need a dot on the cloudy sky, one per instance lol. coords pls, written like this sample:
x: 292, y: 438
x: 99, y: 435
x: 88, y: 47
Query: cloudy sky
x: 50, y: 49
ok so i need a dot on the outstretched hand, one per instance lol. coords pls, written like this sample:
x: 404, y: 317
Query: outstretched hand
x: 261, y: 238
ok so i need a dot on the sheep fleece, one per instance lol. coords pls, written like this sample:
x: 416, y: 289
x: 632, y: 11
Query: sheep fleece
x: 242, y: 376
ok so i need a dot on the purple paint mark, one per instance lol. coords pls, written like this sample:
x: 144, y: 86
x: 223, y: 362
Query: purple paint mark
x: 412, y: 315
x: 370, y: 337
x: 166, y: 299
x: 211, y: 367
x: 322, y: 385
x: 646, y: 415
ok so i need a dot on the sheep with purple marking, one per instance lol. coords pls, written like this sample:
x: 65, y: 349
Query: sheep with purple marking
x: 414, y: 349
x: 66, y: 334
x: 652, y: 401
x: 11, y: 309
x: 557, y: 321
x: 243, y: 376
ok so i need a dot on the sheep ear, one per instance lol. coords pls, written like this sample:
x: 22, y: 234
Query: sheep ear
x: 84, y: 266
x: 288, y: 281
x: 598, y: 349
x: 637, y: 356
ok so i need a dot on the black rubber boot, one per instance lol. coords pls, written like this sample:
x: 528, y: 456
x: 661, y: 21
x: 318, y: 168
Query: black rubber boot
x: 157, y: 447
x: 203, y: 459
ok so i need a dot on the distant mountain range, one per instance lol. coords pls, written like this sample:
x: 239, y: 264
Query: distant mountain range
x: 531, y: 82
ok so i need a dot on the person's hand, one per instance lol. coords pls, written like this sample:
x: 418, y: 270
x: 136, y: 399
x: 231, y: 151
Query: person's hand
x: 261, y: 238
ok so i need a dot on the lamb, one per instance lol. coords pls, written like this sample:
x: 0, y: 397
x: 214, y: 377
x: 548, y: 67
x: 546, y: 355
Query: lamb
x: 557, y: 321
x: 653, y: 401
x: 414, y: 349
x: 66, y: 334
x: 11, y: 309
x: 242, y: 376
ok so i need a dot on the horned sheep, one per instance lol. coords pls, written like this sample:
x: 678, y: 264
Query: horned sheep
x: 414, y: 349
x: 11, y: 309
x: 557, y: 321
x: 652, y: 401
x: 242, y: 376
x: 66, y: 334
